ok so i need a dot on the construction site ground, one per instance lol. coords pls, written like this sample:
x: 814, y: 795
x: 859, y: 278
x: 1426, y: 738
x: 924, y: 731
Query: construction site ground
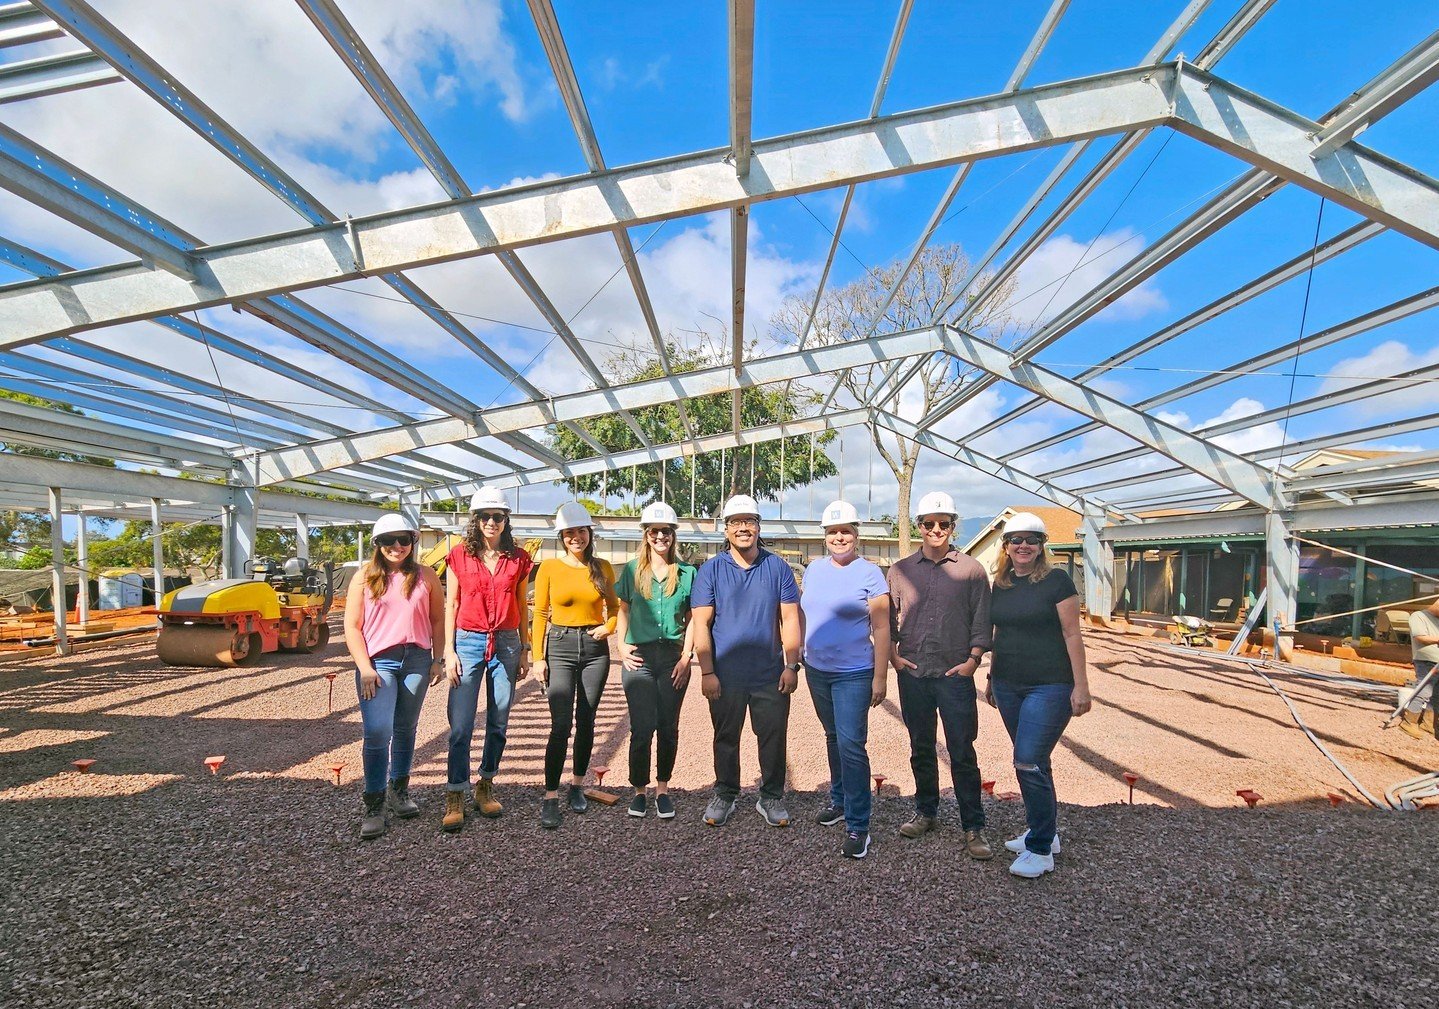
x: 151, y: 881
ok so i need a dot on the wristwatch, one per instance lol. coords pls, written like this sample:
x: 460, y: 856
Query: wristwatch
x: 792, y: 667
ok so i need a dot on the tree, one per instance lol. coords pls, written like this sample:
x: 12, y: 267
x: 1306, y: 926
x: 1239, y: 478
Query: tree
x: 33, y: 528
x: 853, y: 312
x: 777, y: 466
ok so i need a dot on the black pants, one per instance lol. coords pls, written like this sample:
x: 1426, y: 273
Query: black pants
x: 578, y: 668
x: 953, y: 699
x: 654, y: 710
x: 769, y: 717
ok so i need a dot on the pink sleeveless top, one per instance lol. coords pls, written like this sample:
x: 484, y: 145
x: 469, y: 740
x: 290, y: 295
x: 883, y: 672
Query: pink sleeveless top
x: 394, y: 620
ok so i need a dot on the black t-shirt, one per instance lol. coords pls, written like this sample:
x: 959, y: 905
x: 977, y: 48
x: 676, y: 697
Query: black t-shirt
x: 1028, y: 640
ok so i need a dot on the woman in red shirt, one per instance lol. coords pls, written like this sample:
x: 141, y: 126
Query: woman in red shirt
x: 486, y: 619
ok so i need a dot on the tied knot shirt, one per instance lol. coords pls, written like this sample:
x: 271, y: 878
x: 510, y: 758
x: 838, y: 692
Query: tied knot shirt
x: 1029, y: 644
x: 661, y: 617
x: 938, y: 611
x: 566, y: 596
x: 836, y: 602
x: 394, y: 619
x: 748, y: 651
x: 489, y: 601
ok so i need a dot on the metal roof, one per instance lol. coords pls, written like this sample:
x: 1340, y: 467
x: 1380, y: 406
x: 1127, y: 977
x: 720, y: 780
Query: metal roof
x: 424, y: 439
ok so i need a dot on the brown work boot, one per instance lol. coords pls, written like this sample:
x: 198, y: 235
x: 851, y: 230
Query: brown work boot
x: 977, y: 845
x: 374, y: 824
x: 485, y: 800
x: 1413, y: 728
x: 918, y: 826
x: 454, y: 812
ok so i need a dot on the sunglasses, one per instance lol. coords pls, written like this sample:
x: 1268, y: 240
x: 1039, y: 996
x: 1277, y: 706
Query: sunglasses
x: 666, y: 532
x: 394, y: 541
x: 941, y: 524
x: 1029, y: 541
x: 490, y: 516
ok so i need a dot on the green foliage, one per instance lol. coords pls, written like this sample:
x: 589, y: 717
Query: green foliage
x: 716, y: 476
x: 45, y: 453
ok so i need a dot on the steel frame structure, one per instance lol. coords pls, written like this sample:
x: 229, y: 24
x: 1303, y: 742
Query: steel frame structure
x: 149, y: 415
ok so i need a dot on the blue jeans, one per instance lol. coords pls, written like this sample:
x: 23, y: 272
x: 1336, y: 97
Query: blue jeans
x: 391, y: 715
x: 1035, y: 715
x: 842, y: 702
x: 497, y: 676
x: 953, y: 700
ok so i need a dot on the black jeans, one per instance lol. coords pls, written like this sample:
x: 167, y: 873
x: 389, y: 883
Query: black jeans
x: 953, y: 699
x: 769, y: 717
x: 578, y: 668
x: 654, y: 710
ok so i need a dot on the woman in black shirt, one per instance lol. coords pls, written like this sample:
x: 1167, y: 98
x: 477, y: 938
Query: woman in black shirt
x: 1036, y: 677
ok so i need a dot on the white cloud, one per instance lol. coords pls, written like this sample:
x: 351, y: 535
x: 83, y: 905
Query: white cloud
x: 1062, y: 270
x: 1392, y: 357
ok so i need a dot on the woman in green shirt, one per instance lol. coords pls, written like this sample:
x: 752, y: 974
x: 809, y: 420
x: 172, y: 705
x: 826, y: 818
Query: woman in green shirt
x: 656, y: 647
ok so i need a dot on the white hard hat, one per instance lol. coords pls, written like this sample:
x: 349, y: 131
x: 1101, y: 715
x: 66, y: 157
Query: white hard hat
x: 392, y: 523
x: 937, y: 502
x: 572, y: 515
x: 488, y: 497
x: 1025, y: 522
x: 839, y: 513
x: 740, y: 504
x: 658, y: 514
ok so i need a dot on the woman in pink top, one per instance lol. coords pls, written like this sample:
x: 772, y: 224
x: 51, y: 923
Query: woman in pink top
x: 394, y: 626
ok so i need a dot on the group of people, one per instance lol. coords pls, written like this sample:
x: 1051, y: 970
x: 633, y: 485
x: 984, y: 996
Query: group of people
x: 743, y: 620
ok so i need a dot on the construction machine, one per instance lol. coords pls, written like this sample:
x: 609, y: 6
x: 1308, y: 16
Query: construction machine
x: 233, y: 621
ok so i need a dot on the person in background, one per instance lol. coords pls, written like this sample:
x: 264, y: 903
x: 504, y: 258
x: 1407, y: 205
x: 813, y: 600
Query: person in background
x: 1037, y: 677
x: 394, y: 621
x: 745, y: 612
x: 656, y: 645
x: 1424, y: 640
x: 575, y: 613
x: 486, y: 632
x: 844, y: 608
x: 939, y: 605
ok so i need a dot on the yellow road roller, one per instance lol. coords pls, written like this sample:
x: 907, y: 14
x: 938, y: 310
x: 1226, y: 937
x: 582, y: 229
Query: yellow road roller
x: 233, y: 621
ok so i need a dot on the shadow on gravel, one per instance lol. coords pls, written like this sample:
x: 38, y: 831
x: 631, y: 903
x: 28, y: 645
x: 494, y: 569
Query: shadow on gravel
x: 258, y: 893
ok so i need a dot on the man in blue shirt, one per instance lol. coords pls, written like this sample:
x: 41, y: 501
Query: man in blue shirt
x: 745, y: 609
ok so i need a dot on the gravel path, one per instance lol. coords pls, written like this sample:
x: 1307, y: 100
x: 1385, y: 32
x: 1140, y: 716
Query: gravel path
x: 148, y: 881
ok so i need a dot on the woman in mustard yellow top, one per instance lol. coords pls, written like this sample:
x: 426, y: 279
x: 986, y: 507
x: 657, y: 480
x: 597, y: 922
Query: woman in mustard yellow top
x: 575, y: 612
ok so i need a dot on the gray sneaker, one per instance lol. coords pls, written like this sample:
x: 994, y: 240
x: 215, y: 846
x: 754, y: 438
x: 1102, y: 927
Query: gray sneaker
x: 773, y: 812
x: 717, y: 813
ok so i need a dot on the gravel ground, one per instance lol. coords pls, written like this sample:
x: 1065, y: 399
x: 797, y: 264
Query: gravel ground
x: 149, y: 881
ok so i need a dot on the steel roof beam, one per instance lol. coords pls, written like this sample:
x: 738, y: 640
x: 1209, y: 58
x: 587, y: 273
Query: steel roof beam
x: 741, y: 83
x: 99, y: 437
x: 1353, y: 394
x: 553, y: 40
x: 1296, y: 266
x: 21, y: 25
x: 1357, y: 326
x: 687, y: 449
x: 53, y: 75
x: 316, y: 457
x: 988, y: 465
x: 1259, y: 132
x: 549, y: 211
x: 1395, y: 85
x: 1219, y: 465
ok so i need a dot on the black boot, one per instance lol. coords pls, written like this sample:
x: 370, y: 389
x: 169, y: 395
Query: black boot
x: 401, y: 804
x: 373, y: 825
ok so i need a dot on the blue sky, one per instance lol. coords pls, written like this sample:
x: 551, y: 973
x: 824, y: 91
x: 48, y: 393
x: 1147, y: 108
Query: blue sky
x: 654, y: 78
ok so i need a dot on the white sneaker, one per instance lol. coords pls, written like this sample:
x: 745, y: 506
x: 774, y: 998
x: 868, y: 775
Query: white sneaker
x: 1032, y: 866
x: 1016, y: 844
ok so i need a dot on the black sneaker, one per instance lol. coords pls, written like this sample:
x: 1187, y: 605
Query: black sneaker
x: 830, y: 815
x: 856, y: 844
x: 550, y: 815
x: 664, y: 806
x: 578, y: 802
x: 638, y: 806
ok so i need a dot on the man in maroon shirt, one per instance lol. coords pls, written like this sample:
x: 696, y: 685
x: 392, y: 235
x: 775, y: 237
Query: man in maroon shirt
x: 939, y: 618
